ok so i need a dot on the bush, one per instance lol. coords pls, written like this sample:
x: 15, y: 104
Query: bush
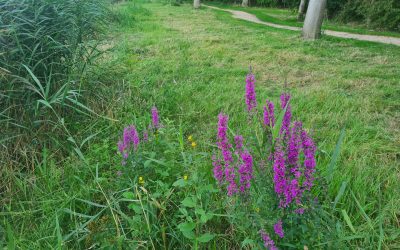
x: 380, y: 14
x: 45, y: 48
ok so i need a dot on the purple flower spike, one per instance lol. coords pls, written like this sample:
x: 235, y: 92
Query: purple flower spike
x: 218, y: 170
x: 134, y: 136
x: 285, y: 97
x: 155, y: 118
x: 309, y: 160
x: 251, y: 101
x: 238, y: 144
x: 278, y: 229
x: 279, y: 169
x: 269, y: 115
x: 145, y: 136
x: 268, y: 242
x: 246, y: 171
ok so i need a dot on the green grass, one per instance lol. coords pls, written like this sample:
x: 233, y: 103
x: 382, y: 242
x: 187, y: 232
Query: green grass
x: 289, y: 17
x: 192, y: 64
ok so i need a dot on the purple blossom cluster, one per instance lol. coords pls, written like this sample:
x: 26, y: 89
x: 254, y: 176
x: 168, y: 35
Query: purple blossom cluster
x: 278, y: 229
x: 291, y: 154
x: 130, y: 138
x: 250, y: 95
x: 291, y: 178
x: 228, y: 171
x: 269, y: 114
x: 268, y: 242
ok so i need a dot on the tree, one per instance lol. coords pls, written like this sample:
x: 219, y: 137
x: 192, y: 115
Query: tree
x: 302, y: 8
x: 196, y: 4
x: 245, y: 3
x: 314, y: 18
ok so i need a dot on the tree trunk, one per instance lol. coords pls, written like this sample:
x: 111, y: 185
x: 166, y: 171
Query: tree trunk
x: 302, y: 7
x: 314, y: 18
x: 245, y: 3
x: 196, y: 4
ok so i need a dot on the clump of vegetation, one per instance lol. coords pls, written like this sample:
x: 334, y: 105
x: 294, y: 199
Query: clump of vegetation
x: 45, y: 47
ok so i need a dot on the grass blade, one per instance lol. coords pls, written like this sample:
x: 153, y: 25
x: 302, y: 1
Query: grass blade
x: 348, y: 221
x: 335, y: 155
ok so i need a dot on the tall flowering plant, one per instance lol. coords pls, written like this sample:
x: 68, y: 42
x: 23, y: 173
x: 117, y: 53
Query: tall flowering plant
x: 130, y: 141
x: 284, y: 164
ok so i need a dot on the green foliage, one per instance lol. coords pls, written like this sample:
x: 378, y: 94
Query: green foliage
x: 45, y: 47
x: 379, y: 14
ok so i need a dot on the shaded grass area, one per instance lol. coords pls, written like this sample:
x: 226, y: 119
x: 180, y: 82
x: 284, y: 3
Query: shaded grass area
x: 192, y: 65
x: 289, y: 17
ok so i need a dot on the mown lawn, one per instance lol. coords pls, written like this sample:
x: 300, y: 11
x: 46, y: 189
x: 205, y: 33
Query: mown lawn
x: 192, y: 65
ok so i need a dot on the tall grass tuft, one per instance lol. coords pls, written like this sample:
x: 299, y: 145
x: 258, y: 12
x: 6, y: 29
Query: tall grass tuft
x: 45, y: 46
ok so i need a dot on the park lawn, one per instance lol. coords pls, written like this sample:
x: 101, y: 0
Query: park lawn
x: 289, y: 17
x: 192, y: 65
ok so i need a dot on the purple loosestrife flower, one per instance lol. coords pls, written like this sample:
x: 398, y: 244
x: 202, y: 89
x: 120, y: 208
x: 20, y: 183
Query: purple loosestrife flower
x: 230, y: 177
x: 223, y: 142
x: 245, y: 171
x: 251, y: 101
x: 145, y: 136
x: 279, y: 169
x: 285, y: 129
x: 155, y: 118
x: 269, y: 115
x: 134, y: 136
x: 121, y: 149
x: 309, y: 159
x: 278, y: 229
x: 238, y: 144
x: 268, y: 242
x: 225, y: 147
x: 218, y: 170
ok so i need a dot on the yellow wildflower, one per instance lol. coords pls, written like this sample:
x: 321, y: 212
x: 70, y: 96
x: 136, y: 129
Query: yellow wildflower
x: 194, y: 144
x: 257, y: 209
x: 185, y: 177
x: 190, y: 138
x: 141, y: 180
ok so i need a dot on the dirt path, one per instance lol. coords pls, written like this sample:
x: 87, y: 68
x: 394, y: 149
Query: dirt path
x: 252, y: 18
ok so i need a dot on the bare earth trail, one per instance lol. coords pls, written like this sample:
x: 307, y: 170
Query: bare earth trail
x: 252, y: 18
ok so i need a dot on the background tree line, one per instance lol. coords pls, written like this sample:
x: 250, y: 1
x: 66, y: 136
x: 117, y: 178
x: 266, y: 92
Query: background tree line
x: 376, y: 14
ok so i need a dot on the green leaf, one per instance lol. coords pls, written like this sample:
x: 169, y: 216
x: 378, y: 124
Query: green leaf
x: 340, y: 193
x: 128, y: 195
x: 247, y: 241
x: 180, y: 183
x: 278, y: 124
x: 189, y: 202
x: 348, y: 221
x: 136, y: 208
x: 189, y: 234
x: 205, y: 237
x: 10, y: 237
x: 186, y: 226
x: 205, y: 217
x: 335, y: 155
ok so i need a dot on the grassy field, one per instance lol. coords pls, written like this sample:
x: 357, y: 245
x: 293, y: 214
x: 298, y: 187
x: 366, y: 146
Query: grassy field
x: 192, y: 64
x: 289, y: 17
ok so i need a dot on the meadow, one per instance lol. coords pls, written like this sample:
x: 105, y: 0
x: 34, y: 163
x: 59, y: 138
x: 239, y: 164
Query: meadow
x: 192, y: 65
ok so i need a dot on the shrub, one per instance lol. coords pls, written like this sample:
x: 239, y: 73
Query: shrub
x: 45, y: 48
